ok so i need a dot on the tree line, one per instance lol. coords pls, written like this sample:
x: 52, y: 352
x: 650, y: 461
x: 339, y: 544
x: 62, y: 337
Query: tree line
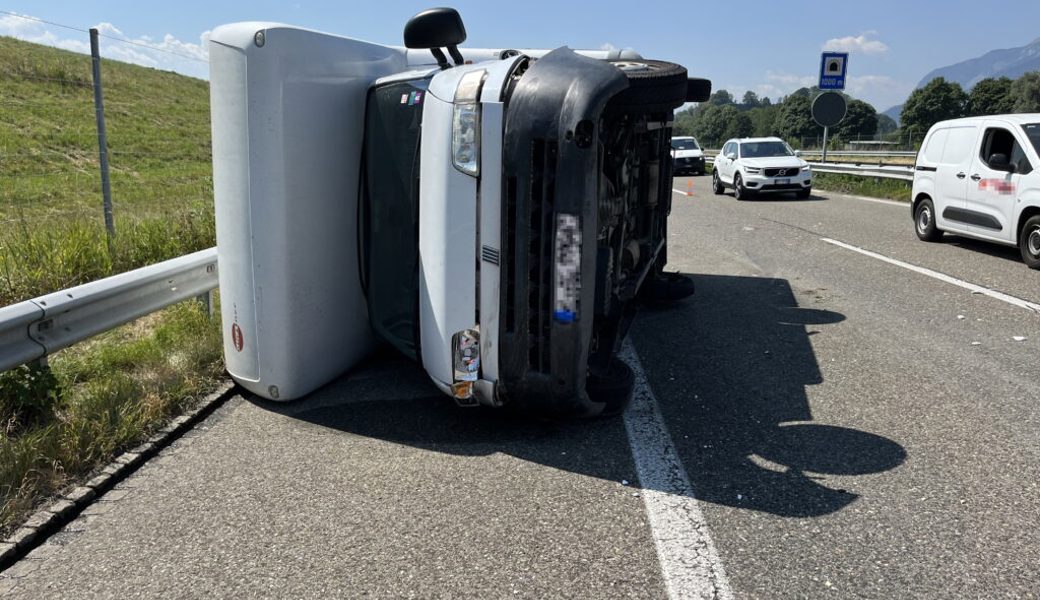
x: 940, y: 100
x: 722, y: 117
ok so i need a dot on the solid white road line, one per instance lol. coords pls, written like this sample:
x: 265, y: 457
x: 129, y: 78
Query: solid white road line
x: 978, y: 289
x: 905, y: 205
x: 689, y: 563
x: 678, y: 191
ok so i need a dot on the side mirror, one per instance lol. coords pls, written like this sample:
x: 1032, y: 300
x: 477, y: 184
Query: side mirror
x: 436, y: 28
x: 798, y: 153
x: 1000, y: 162
x: 732, y: 156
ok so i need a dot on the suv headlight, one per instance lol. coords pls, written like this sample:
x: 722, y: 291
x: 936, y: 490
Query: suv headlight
x: 568, y: 268
x: 465, y: 124
x: 807, y: 168
x: 752, y: 170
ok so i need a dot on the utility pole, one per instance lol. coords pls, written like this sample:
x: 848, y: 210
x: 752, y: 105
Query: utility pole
x: 99, y: 110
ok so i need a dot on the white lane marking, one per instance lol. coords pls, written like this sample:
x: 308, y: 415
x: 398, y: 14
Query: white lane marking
x: 678, y: 191
x: 976, y: 289
x: 689, y: 563
x: 875, y: 200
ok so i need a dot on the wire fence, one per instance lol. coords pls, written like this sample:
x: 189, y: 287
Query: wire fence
x: 52, y: 217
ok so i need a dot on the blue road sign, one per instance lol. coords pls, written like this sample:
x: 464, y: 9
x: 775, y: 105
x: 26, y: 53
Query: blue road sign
x: 833, y: 66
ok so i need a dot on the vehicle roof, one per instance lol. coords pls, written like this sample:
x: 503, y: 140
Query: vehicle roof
x: 683, y: 137
x: 1013, y: 119
x: 756, y: 139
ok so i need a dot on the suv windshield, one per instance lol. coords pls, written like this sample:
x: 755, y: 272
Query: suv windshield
x: 764, y: 149
x: 685, y: 145
x: 390, y: 211
x: 1033, y: 132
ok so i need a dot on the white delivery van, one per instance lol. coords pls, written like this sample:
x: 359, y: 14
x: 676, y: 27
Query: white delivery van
x: 494, y: 217
x: 687, y: 156
x: 978, y: 177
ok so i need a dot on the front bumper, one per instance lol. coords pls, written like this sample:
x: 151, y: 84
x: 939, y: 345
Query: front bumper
x: 688, y: 164
x: 762, y: 184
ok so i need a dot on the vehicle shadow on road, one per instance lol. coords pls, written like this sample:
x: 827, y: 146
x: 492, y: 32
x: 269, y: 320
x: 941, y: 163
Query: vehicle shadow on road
x: 1008, y: 253
x: 730, y: 370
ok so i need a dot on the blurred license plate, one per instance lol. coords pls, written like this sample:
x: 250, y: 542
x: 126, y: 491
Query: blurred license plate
x: 783, y: 181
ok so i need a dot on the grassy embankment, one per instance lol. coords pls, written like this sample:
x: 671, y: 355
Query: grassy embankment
x: 106, y: 394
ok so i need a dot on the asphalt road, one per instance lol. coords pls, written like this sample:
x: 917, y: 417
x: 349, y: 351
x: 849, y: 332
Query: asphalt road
x: 848, y: 427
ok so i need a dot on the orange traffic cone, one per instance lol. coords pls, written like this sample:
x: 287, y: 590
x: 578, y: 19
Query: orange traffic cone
x: 689, y: 187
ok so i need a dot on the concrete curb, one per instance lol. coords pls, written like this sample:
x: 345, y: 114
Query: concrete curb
x: 52, y: 517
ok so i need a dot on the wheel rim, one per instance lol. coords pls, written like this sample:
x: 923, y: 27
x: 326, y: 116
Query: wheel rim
x: 630, y: 66
x: 738, y: 185
x: 1033, y: 242
x: 924, y: 219
x: 715, y: 179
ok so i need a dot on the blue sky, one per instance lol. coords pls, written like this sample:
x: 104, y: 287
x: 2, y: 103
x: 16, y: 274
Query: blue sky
x: 771, y: 48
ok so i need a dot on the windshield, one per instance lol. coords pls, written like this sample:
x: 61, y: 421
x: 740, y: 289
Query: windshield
x: 689, y: 144
x: 390, y: 211
x: 764, y: 149
x: 1033, y: 132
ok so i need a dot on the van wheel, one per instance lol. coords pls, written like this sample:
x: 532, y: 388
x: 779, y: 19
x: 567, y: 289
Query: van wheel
x: 613, y: 389
x: 653, y: 86
x: 1029, y: 242
x: 924, y: 222
x: 716, y: 183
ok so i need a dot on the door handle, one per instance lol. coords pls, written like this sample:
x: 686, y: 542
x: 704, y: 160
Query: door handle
x: 960, y: 175
x: 976, y: 177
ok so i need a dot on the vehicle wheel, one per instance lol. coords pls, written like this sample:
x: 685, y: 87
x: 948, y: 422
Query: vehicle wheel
x: 739, y: 191
x: 716, y: 183
x: 804, y: 193
x: 924, y: 222
x: 653, y: 85
x: 613, y: 389
x: 1029, y: 242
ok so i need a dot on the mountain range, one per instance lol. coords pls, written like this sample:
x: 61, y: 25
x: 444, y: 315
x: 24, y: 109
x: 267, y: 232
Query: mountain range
x: 1009, y: 62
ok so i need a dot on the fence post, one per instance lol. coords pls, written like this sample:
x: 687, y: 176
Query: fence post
x: 99, y: 110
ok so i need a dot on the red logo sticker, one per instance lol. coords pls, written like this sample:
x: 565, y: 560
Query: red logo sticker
x: 236, y: 337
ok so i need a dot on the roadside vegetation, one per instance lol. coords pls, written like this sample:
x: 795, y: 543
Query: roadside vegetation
x: 893, y: 189
x: 108, y: 394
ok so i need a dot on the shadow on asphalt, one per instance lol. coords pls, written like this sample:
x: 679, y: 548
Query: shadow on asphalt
x: 1009, y: 253
x: 729, y: 368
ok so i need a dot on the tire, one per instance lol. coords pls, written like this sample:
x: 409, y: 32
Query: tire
x: 1029, y: 242
x: 804, y: 194
x: 716, y: 184
x: 924, y: 222
x: 614, y: 389
x: 739, y: 191
x: 653, y: 86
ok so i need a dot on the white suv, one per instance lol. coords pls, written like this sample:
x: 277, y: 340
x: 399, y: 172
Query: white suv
x: 977, y: 177
x: 760, y: 165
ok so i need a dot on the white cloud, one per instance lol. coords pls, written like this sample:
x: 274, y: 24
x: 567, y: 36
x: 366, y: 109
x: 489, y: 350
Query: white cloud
x: 170, y: 54
x: 858, y: 43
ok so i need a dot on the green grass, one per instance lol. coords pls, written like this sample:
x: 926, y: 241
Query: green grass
x: 99, y: 398
x: 51, y: 222
x: 107, y: 394
x: 893, y: 189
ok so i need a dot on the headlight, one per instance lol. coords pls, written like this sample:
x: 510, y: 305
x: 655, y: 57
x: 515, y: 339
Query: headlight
x: 752, y: 170
x: 568, y: 268
x: 807, y: 168
x: 465, y: 362
x: 465, y: 124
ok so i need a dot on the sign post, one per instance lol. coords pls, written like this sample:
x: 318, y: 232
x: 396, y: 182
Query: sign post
x: 832, y: 107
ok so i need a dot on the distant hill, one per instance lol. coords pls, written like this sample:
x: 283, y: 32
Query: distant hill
x: 1012, y: 62
x: 894, y: 112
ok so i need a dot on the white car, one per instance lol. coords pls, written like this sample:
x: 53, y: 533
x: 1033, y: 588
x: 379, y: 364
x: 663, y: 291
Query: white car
x: 977, y: 177
x: 687, y: 156
x: 760, y: 166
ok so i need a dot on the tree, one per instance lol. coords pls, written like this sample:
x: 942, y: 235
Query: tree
x: 937, y: 101
x: 738, y: 126
x: 860, y: 119
x: 794, y: 119
x: 763, y: 120
x: 719, y: 123
x: 1025, y: 92
x: 766, y: 101
x: 750, y: 99
x: 720, y: 97
x: 991, y: 96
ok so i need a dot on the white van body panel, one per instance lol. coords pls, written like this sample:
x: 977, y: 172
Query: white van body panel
x: 288, y: 107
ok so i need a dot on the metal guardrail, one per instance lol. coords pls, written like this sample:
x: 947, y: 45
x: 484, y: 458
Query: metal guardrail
x: 875, y: 153
x: 33, y: 329
x: 900, y: 172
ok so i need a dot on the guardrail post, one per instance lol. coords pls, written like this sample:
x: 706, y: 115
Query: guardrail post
x: 99, y: 111
x: 207, y: 302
